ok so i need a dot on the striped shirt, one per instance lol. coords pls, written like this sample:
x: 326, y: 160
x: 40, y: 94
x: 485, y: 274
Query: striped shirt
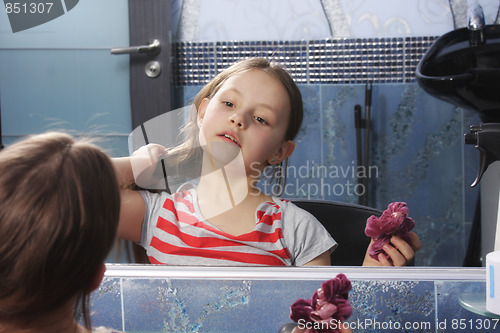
x: 174, y: 232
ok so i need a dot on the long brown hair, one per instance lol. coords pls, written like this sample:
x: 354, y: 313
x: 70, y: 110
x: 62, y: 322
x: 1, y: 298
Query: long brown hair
x: 59, y: 210
x: 278, y: 173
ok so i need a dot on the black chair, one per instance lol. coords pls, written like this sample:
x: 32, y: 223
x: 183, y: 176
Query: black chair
x: 346, y: 223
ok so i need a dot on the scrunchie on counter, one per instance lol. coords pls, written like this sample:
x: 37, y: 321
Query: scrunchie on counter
x: 327, y: 308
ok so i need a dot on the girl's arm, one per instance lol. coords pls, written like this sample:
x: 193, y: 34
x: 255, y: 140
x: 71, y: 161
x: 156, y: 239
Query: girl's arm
x: 132, y: 207
x: 136, y: 169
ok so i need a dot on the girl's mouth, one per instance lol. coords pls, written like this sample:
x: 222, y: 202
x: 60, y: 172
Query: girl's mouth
x: 230, y: 137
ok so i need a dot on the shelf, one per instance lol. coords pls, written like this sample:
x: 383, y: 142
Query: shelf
x: 476, y: 303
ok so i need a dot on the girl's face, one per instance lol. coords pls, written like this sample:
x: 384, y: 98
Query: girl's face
x: 250, y: 112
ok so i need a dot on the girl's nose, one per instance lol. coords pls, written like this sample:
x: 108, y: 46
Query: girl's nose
x: 237, y: 120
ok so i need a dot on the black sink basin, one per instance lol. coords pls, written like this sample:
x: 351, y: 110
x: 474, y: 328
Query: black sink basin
x: 465, y: 73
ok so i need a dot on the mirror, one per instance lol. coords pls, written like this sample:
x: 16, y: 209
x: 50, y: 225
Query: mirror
x: 60, y: 75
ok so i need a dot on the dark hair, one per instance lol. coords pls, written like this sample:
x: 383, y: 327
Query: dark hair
x: 278, y: 173
x: 59, y: 210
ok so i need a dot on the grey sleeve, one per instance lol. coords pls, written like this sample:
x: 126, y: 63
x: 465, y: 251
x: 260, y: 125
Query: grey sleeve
x: 152, y: 203
x: 305, y: 236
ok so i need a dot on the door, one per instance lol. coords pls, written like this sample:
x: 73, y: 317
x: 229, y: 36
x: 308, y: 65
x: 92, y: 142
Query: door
x: 150, y: 59
x: 60, y: 75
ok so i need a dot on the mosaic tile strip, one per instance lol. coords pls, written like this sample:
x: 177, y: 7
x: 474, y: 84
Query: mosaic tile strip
x: 376, y: 60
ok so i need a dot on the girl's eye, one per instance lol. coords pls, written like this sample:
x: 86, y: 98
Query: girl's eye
x: 261, y: 120
x: 228, y: 104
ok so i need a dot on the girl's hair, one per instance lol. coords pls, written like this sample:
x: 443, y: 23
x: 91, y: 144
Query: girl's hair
x: 59, y: 210
x: 278, y: 172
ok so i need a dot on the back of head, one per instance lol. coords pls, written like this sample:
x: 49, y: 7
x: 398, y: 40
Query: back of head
x: 59, y: 209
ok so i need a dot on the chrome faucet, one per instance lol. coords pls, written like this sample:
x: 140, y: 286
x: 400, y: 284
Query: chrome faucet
x: 476, y: 24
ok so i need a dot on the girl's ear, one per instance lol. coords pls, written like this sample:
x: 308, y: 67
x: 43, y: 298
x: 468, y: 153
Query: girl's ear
x: 202, y: 109
x: 283, y: 152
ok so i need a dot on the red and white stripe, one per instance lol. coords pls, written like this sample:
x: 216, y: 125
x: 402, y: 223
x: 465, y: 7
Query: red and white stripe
x: 182, y: 232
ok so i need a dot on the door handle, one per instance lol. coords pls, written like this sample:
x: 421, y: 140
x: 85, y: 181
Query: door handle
x: 153, y: 48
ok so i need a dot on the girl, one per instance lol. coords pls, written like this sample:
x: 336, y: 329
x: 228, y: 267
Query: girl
x: 245, y: 121
x: 59, y: 210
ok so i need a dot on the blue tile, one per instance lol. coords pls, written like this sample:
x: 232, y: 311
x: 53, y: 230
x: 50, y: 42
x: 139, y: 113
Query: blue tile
x: 185, y: 305
x: 452, y: 316
x: 442, y: 242
x: 339, y: 139
x: 105, y: 304
x: 308, y: 141
x: 308, y: 147
x: 379, y: 304
x: 142, y: 308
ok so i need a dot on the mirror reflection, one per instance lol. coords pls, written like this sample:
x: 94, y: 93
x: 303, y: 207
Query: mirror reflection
x: 370, y: 135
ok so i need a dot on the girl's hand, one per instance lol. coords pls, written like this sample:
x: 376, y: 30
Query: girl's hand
x: 399, y: 251
x: 145, y: 164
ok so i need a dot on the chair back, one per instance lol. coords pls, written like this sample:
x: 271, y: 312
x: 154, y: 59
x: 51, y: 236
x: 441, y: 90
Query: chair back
x: 346, y: 223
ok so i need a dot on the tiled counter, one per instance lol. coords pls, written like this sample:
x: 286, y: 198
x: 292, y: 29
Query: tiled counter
x: 196, y: 299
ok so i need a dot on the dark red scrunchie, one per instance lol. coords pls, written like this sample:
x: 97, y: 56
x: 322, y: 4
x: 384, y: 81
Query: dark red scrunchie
x: 328, y: 304
x: 394, y: 221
